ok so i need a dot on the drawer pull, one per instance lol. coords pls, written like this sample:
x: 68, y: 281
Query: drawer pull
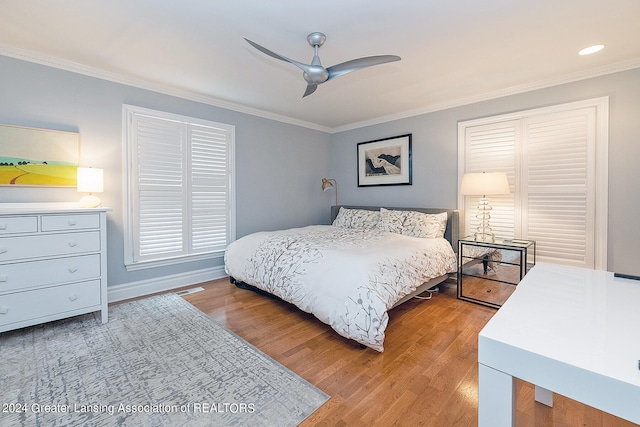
x: 3, y: 226
x: 4, y: 309
x: 3, y: 250
x: 73, y: 269
x: 73, y: 297
x: 71, y: 222
x: 4, y: 278
x: 73, y: 243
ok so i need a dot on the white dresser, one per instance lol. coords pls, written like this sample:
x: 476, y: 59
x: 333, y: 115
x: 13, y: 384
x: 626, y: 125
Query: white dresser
x: 53, y: 263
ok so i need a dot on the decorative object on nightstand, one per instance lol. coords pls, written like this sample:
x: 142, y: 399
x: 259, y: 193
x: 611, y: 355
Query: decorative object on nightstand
x: 488, y: 272
x: 329, y: 183
x: 90, y: 180
x: 483, y: 184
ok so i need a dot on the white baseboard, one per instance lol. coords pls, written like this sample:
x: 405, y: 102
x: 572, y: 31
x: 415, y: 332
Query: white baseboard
x: 125, y: 291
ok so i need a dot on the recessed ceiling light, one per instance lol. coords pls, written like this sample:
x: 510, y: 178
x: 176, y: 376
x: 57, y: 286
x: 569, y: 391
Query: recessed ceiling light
x: 591, y: 49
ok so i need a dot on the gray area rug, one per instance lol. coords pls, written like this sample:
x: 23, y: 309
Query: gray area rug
x: 158, y: 362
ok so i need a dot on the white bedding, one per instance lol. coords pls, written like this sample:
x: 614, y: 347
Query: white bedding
x: 348, y: 278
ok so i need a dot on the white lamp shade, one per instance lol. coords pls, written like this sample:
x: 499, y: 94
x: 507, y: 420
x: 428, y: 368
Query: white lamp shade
x: 484, y: 183
x: 90, y: 180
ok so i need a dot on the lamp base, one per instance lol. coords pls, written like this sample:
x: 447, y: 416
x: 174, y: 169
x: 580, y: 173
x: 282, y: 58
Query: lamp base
x: 484, y: 233
x: 90, y: 201
x: 484, y: 237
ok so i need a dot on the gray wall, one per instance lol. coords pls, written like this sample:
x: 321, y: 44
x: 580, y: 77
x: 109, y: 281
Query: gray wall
x: 435, y: 156
x: 278, y: 166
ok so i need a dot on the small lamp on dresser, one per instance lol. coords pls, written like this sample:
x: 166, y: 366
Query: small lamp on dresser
x: 90, y: 180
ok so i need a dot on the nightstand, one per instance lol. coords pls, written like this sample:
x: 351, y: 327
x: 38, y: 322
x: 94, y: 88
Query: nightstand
x: 488, y: 272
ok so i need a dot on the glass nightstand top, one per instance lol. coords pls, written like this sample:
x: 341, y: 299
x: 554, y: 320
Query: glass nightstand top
x: 518, y: 243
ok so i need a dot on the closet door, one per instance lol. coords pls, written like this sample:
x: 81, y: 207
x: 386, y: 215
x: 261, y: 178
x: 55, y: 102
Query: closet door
x: 558, y: 186
x: 493, y: 148
x: 556, y: 162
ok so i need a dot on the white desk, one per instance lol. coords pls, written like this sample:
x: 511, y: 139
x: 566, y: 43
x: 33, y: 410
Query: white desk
x: 567, y: 330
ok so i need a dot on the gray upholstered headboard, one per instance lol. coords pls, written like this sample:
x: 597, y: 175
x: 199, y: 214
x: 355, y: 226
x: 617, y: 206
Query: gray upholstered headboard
x: 452, y: 233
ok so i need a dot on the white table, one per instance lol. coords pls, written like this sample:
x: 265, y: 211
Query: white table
x: 567, y: 330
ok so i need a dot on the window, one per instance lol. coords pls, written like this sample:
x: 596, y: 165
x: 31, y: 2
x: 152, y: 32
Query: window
x: 179, y: 188
x: 556, y: 162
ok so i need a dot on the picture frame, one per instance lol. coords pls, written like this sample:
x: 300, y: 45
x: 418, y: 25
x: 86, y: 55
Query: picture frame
x: 32, y: 157
x: 385, y: 161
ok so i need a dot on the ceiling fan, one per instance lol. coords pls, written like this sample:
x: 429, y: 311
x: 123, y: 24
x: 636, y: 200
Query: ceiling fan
x: 315, y: 73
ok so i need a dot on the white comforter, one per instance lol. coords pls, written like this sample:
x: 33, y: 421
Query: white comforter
x: 347, y: 278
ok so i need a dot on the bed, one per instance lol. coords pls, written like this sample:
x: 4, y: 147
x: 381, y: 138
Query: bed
x: 351, y: 273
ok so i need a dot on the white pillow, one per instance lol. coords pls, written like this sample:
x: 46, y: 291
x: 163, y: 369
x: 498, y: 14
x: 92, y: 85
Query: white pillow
x: 357, y: 218
x: 411, y: 223
x: 391, y: 221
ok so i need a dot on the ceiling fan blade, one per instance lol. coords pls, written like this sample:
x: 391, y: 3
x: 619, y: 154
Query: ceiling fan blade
x: 310, y: 90
x: 358, y: 64
x: 303, y: 67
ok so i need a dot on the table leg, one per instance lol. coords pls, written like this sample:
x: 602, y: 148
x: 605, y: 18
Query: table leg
x: 496, y: 398
x: 544, y: 396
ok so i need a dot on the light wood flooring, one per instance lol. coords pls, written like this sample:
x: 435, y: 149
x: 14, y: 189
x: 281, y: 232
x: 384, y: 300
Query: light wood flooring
x: 427, y: 374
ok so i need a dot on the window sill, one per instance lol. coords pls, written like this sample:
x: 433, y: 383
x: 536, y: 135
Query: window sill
x: 143, y: 265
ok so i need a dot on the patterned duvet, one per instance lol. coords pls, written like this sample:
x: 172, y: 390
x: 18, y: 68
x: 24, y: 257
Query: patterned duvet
x: 347, y: 278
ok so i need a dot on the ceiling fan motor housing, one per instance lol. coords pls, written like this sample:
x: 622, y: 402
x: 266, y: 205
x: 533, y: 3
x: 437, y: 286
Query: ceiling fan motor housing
x: 316, y: 75
x: 316, y: 39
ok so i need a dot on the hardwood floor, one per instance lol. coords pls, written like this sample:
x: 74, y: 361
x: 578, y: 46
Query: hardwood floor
x: 427, y: 374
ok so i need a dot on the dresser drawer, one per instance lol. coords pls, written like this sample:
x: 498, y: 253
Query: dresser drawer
x: 70, y: 222
x: 31, y: 274
x: 18, y: 224
x: 24, y: 247
x: 42, y: 303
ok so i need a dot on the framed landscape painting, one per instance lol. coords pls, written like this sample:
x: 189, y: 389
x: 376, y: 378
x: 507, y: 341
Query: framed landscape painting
x: 38, y: 157
x: 385, y: 161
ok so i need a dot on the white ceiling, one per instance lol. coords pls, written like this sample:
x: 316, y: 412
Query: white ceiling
x: 453, y: 52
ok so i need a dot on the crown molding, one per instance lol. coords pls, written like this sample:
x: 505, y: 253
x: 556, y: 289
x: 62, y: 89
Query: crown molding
x: 74, y: 67
x: 77, y: 68
x: 528, y: 87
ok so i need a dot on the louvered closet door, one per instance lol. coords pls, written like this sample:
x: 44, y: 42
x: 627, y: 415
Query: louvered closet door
x: 493, y: 148
x: 550, y: 163
x: 558, y: 186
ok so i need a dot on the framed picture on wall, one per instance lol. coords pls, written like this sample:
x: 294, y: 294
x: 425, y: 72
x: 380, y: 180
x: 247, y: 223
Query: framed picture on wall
x: 38, y: 157
x: 385, y: 161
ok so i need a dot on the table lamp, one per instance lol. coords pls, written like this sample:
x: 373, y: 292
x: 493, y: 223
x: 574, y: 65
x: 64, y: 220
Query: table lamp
x: 483, y: 184
x: 90, y: 180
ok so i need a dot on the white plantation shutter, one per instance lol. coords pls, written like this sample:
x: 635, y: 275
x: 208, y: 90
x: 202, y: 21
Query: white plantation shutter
x: 492, y: 148
x: 159, y: 192
x: 209, y: 188
x: 179, y: 187
x: 549, y: 156
x: 559, y: 185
